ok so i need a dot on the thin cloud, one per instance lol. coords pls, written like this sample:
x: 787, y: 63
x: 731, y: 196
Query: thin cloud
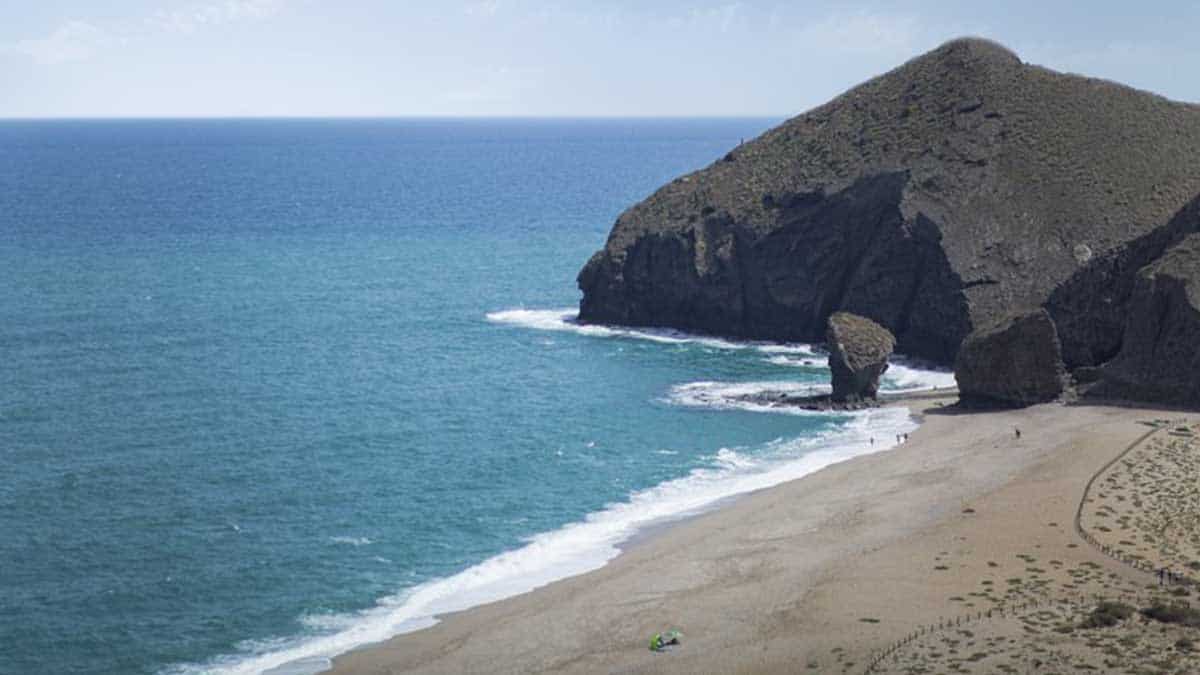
x: 863, y: 32
x: 196, y: 17
x: 78, y: 40
x: 72, y: 41
x: 722, y: 16
x: 482, y: 8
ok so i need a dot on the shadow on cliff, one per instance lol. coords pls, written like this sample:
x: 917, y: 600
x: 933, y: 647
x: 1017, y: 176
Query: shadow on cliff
x: 1091, y: 308
x: 817, y: 253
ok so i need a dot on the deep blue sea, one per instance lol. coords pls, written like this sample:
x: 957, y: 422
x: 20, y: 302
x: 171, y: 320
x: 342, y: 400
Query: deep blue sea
x: 274, y: 389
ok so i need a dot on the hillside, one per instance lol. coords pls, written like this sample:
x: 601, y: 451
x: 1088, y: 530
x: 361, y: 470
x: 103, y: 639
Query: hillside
x: 954, y: 188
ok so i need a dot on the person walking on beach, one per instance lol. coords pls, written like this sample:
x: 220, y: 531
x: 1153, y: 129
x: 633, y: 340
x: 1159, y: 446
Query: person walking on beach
x: 1018, y: 432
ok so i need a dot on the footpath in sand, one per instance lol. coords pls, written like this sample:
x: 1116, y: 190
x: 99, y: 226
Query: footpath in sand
x: 855, y: 567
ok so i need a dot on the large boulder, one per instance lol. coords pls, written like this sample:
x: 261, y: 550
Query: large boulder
x: 858, y: 355
x: 931, y: 199
x: 1159, y: 359
x: 1016, y: 361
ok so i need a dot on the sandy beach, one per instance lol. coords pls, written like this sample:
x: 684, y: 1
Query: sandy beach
x: 821, y: 573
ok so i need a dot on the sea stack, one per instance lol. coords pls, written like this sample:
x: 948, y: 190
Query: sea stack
x: 933, y: 199
x: 1016, y: 361
x: 858, y: 355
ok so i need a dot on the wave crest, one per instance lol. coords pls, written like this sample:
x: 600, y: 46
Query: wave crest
x: 571, y: 550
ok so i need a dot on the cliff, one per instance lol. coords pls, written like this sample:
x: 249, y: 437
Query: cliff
x: 932, y: 199
x: 1159, y: 359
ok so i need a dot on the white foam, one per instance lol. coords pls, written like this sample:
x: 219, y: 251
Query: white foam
x: 759, y: 396
x: 907, y: 375
x: 903, y: 375
x: 792, y: 349
x: 566, y: 319
x: 803, y: 361
x: 352, y: 541
x: 739, y: 395
x: 583, y: 546
x: 573, y: 549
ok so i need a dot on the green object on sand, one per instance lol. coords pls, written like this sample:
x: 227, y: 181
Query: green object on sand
x: 661, y: 640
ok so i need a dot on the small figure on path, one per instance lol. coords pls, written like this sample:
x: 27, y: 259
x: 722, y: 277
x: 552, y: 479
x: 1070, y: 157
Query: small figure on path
x: 1018, y: 432
x: 872, y: 440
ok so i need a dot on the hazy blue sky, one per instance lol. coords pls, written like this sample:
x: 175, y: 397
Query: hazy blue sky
x: 536, y: 57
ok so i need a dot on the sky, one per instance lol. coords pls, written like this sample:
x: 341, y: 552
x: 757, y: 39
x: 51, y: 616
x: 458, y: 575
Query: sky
x: 369, y: 58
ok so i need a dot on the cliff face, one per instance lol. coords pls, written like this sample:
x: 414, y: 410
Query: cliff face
x: 930, y: 199
x: 1092, y: 307
x: 1160, y: 356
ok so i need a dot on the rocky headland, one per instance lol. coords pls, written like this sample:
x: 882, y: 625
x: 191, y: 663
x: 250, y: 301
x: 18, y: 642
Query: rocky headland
x: 934, y: 200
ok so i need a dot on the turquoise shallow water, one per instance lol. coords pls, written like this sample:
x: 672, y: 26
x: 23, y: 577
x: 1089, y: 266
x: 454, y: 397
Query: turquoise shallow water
x: 274, y: 389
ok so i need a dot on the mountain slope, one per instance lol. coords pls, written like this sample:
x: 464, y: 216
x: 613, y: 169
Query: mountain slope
x: 958, y: 186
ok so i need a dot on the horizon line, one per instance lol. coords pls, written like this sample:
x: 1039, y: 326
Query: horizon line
x: 99, y: 118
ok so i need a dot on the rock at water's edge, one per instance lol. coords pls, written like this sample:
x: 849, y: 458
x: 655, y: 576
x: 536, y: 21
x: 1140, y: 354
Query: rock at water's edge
x: 932, y: 199
x: 1159, y: 359
x: 1014, y: 362
x: 858, y: 355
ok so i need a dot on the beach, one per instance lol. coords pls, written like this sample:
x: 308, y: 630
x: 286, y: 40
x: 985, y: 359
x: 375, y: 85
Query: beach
x: 816, y: 574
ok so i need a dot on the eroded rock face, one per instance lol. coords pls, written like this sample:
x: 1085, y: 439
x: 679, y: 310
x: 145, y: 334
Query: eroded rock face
x: 1159, y: 359
x: 930, y: 200
x: 859, y: 350
x: 1092, y: 307
x: 1016, y: 361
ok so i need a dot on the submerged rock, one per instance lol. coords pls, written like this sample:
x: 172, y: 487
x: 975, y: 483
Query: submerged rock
x: 858, y: 355
x: 931, y: 199
x: 1016, y: 361
x: 1159, y: 359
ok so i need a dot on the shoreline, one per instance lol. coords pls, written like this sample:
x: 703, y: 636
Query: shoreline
x: 649, y: 534
x: 765, y: 579
x: 652, y: 531
x: 686, y: 497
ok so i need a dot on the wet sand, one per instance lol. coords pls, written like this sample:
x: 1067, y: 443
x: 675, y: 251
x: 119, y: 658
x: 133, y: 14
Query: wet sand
x: 812, y: 575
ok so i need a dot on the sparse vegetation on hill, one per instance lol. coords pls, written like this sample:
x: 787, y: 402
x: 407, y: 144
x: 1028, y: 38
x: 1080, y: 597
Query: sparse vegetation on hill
x: 932, y: 200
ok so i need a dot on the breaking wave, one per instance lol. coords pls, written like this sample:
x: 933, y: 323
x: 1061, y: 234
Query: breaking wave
x: 571, y: 550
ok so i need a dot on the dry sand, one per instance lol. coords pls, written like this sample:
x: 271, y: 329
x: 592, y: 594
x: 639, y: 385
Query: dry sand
x: 818, y: 574
x: 1146, y: 505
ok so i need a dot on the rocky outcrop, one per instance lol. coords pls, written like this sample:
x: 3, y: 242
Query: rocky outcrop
x: 1159, y: 360
x: 858, y: 355
x: 931, y: 200
x: 1016, y: 361
x: 1092, y: 307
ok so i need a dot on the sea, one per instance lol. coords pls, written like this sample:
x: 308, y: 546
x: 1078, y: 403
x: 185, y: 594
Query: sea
x: 276, y: 389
